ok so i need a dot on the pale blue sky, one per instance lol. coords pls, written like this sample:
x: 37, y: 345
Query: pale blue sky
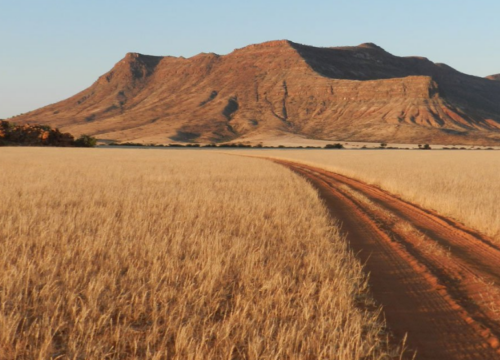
x: 51, y: 49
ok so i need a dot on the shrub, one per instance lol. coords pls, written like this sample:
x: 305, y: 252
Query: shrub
x: 176, y: 145
x: 131, y: 144
x: 86, y: 141
x: 334, y: 146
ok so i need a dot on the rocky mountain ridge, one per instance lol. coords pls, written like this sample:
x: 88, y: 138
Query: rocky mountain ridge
x: 360, y: 93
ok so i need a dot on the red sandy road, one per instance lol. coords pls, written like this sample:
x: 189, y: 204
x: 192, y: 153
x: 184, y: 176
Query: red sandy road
x: 436, y: 299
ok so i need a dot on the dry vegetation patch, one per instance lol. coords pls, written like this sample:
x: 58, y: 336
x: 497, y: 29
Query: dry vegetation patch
x: 463, y: 185
x: 128, y: 254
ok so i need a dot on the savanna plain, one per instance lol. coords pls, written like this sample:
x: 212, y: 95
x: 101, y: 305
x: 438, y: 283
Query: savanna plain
x: 175, y: 254
x: 425, y: 224
x: 210, y: 254
x: 462, y: 185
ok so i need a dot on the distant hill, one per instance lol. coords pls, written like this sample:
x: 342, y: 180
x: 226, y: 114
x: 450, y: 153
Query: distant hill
x: 278, y: 88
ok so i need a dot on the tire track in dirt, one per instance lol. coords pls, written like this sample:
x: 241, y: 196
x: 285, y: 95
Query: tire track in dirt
x: 435, y: 279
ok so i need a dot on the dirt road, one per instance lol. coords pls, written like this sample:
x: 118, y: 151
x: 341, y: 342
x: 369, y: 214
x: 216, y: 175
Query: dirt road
x: 436, y: 280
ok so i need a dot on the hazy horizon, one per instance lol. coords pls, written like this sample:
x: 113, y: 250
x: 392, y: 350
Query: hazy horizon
x: 52, y: 50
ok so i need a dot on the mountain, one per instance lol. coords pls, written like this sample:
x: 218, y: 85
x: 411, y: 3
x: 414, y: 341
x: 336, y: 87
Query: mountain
x: 278, y: 88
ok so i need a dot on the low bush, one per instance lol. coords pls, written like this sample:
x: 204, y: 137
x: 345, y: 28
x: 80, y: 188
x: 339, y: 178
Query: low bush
x: 334, y: 146
x: 86, y: 141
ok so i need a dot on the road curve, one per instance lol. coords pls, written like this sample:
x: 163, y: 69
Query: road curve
x: 436, y: 280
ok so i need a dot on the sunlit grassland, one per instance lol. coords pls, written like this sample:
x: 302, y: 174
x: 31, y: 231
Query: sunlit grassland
x: 165, y: 254
x: 464, y: 185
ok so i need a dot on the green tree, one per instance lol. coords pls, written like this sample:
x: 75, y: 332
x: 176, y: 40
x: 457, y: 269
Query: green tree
x: 86, y: 141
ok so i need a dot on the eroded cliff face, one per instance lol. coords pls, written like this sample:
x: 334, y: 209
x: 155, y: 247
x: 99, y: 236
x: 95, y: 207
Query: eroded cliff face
x: 357, y: 93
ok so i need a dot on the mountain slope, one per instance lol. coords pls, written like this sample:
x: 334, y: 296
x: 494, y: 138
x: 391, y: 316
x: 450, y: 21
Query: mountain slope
x: 357, y: 93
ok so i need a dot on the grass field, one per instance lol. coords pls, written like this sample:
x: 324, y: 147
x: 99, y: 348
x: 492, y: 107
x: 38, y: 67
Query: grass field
x: 135, y: 254
x: 463, y: 185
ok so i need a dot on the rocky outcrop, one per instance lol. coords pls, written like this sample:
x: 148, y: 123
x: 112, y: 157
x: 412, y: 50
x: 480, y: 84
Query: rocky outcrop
x: 359, y: 93
x: 33, y: 135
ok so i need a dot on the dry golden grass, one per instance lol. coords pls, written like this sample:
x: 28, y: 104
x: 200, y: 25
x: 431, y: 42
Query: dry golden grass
x: 461, y: 184
x: 154, y: 254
